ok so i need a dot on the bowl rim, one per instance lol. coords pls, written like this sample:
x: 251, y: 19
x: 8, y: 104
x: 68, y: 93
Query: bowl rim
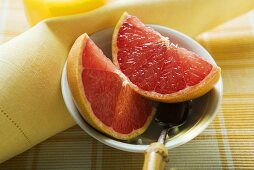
x: 135, y: 147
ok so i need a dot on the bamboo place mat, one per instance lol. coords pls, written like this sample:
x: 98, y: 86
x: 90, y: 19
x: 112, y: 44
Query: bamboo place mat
x: 228, y: 143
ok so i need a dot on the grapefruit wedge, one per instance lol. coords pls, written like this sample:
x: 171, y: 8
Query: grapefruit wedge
x: 104, y: 101
x: 155, y: 67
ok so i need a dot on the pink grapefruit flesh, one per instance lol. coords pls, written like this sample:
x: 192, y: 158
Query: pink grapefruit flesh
x: 102, y: 98
x: 155, y: 67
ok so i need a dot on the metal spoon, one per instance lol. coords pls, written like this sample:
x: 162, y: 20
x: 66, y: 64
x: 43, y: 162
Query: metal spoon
x: 170, y: 117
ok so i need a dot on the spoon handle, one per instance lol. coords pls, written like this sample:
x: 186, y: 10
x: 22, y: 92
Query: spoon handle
x: 156, y: 157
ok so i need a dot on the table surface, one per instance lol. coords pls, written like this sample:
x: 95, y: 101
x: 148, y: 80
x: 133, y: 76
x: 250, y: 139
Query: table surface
x: 227, y: 143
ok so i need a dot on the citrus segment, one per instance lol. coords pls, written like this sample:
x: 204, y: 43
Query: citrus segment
x: 194, y: 68
x: 155, y: 67
x: 100, y: 95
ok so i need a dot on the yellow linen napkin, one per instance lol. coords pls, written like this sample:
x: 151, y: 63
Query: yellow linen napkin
x: 31, y: 105
x: 233, y: 39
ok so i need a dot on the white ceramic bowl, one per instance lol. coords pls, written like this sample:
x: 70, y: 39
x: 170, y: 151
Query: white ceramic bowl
x: 203, y: 110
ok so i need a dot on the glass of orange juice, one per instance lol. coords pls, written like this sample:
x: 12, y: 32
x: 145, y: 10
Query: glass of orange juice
x: 37, y: 10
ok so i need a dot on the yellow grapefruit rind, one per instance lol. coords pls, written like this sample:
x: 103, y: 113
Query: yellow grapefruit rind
x: 114, y: 38
x: 188, y: 93
x: 74, y: 71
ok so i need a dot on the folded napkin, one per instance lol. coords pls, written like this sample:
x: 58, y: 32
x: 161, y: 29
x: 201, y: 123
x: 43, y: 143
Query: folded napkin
x: 31, y: 104
x: 233, y: 39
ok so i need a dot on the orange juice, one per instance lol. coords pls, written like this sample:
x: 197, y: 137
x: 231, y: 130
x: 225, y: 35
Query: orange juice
x: 38, y: 10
